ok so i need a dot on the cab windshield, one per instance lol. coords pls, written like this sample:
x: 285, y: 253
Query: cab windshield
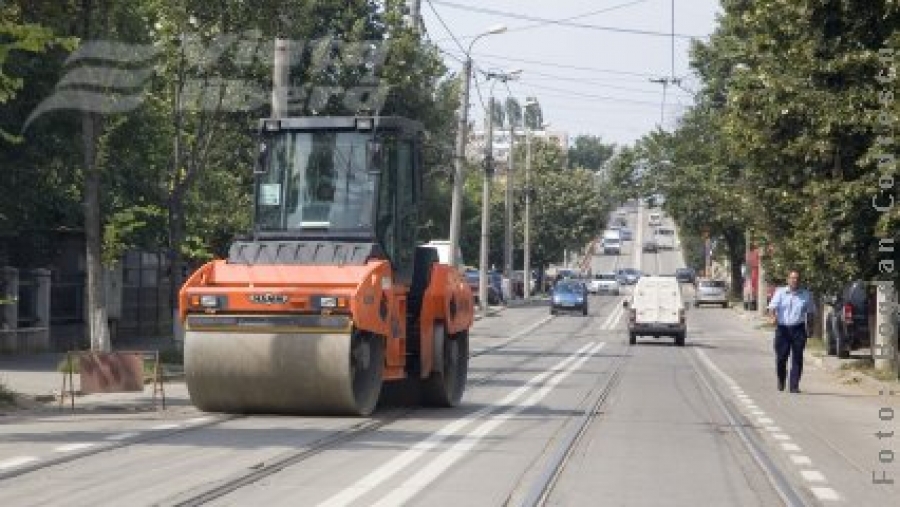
x: 316, y: 181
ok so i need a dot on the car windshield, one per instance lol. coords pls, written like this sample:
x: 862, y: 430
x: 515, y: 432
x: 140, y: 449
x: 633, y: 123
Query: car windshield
x: 712, y: 283
x: 606, y: 276
x: 568, y: 288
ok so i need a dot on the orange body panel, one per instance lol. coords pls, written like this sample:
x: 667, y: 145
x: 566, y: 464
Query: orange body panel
x: 376, y: 303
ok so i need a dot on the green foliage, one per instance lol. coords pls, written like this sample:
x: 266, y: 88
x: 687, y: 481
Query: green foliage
x: 590, y: 152
x: 780, y: 145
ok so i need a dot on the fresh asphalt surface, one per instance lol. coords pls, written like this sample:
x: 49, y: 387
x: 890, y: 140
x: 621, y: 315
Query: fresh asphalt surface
x: 674, y: 429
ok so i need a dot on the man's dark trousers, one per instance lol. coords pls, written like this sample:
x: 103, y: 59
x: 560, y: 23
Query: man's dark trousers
x: 790, y: 340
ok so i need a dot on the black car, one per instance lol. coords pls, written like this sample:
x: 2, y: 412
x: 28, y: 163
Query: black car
x: 685, y: 275
x: 569, y: 296
x: 847, y: 327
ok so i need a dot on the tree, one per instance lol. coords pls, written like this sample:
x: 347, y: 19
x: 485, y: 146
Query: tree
x: 590, y: 152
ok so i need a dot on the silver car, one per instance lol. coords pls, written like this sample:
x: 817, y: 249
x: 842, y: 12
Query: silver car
x: 711, y: 292
x: 604, y: 283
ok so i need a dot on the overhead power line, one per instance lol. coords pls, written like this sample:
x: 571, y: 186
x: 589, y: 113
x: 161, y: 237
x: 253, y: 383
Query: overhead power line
x: 441, y: 20
x: 573, y: 18
x: 587, y: 26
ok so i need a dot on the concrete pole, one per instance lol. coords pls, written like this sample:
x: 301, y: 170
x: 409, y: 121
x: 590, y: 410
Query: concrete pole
x: 486, y: 208
x: 42, y: 310
x: 415, y: 9
x: 527, y: 238
x: 281, y: 70
x: 9, y: 296
x: 459, y: 161
x: 508, y: 240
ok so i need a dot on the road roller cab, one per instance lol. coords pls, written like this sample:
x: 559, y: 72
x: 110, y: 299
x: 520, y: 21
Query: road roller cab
x: 330, y: 297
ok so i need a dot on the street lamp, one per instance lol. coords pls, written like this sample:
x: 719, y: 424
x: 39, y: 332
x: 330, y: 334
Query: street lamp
x: 486, y: 187
x: 459, y: 161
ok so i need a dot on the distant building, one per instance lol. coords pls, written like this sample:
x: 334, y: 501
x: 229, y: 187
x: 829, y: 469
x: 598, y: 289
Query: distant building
x: 476, y: 145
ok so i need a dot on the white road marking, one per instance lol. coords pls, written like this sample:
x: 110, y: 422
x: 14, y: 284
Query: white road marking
x: 122, y: 436
x: 812, y: 475
x: 75, y: 447
x: 17, y: 461
x: 199, y: 420
x: 401, y: 461
x: 165, y: 427
x: 800, y: 459
x: 822, y: 493
x: 438, y: 466
x: 825, y: 494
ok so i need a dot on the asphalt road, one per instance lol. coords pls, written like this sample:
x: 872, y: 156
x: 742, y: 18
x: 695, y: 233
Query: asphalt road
x: 559, y: 411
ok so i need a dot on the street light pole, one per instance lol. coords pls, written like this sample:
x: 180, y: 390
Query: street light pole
x: 527, y: 235
x: 459, y: 159
x: 508, y: 240
x: 486, y: 207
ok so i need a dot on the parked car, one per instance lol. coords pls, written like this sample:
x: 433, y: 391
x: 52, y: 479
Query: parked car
x: 655, y: 219
x: 656, y: 309
x: 711, y: 292
x: 626, y: 234
x: 495, y: 292
x: 685, y: 275
x: 628, y: 276
x: 604, y: 283
x: 847, y: 327
x: 650, y: 246
x: 569, y: 296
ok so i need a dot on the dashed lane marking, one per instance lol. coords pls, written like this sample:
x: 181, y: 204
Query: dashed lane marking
x: 75, y: 447
x: 800, y: 459
x: 788, y: 446
x: 122, y: 436
x: 825, y: 493
x: 813, y: 475
x: 17, y: 461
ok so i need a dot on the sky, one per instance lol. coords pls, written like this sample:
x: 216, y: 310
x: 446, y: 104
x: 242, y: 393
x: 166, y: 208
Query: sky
x: 587, y: 80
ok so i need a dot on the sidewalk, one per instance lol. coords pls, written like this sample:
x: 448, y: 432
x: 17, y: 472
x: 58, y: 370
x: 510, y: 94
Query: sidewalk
x: 37, y: 381
x: 841, y: 370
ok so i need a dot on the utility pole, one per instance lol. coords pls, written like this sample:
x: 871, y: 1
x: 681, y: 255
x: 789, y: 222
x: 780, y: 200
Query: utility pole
x: 486, y: 208
x: 486, y: 187
x: 526, y: 289
x: 415, y: 15
x: 461, y: 135
x: 508, y: 240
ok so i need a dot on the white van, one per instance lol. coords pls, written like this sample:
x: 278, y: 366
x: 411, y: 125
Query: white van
x: 665, y: 238
x: 656, y: 309
x: 443, y: 250
x: 655, y: 219
x: 612, y: 242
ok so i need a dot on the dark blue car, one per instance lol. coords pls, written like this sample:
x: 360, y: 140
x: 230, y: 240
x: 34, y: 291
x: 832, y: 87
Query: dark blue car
x: 569, y: 296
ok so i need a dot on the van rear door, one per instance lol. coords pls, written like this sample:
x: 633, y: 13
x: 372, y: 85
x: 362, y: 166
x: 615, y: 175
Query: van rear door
x: 657, y: 301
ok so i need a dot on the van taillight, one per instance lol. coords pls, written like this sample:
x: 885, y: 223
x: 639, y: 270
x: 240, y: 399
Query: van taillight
x: 848, y: 313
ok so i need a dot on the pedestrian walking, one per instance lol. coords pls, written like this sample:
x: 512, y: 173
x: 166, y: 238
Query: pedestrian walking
x: 790, y: 309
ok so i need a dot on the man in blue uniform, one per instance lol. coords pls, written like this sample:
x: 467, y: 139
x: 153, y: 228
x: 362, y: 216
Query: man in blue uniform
x: 789, y: 310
